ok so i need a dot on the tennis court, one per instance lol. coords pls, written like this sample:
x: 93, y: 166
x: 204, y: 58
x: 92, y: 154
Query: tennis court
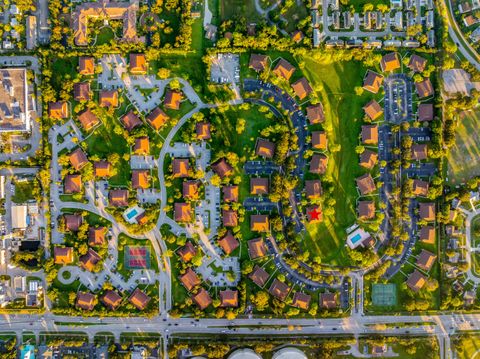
x: 137, y: 257
x: 384, y: 294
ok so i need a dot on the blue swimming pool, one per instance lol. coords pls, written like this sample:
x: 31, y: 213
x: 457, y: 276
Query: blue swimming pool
x: 132, y: 213
x: 356, y: 238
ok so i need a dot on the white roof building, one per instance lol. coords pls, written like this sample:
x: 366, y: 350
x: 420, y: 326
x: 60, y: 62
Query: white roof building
x: 19, y: 216
x: 289, y: 353
x: 244, y: 354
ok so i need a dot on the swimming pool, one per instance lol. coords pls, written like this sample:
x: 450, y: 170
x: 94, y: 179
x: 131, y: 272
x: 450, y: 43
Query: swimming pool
x: 356, y: 238
x: 132, y: 213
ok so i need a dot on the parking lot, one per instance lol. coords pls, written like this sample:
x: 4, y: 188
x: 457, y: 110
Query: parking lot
x: 398, y: 98
x: 225, y: 68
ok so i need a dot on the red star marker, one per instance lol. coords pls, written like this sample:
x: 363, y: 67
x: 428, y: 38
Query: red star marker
x: 315, y: 214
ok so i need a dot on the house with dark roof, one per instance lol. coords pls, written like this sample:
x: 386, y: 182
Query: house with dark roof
x: 416, y: 281
x: 182, y: 212
x: 368, y: 159
x: 258, y: 62
x: 366, y: 209
x: 222, y: 168
x: 328, y: 300
x: 279, y: 289
x: 370, y: 134
x: 111, y: 299
x: 319, y: 140
x: 318, y: 163
x: 88, y: 119
x: 81, y: 91
x: 190, y: 279
x: 58, y: 110
x: 373, y: 110
x: 427, y: 234
x: 202, y: 130
x: 63, y: 255
x: 419, y: 152
x: 73, y: 184
x: 424, y: 88
x: 108, y: 98
x: 142, y: 146
x: 259, y: 223
x: 202, y: 299
x: 302, y: 88
x: 258, y: 186
x: 420, y: 188
x: 259, y: 276
x: 101, y: 168
x: 425, y: 260
x: 187, y: 252
x: 425, y: 112
x: 96, y: 236
x: 172, y: 99
x: 257, y: 248
x: 390, y: 62
x: 365, y: 184
x: 313, y: 188
x: 139, y: 299
x: 230, y: 193
x: 427, y: 211
x: 89, y: 260
x: 264, y: 148
x: 228, y: 242
x: 78, y: 159
x: 86, y: 65
x: 417, y: 63
x: 190, y: 190
x: 157, y: 118
x: 72, y: 222
x: 130, y: 121
x: 229, y: 218
x: 85, y: 301
x: 372, y: 81
x: 297, y: 36
x: 315, y: 114
x: 140, y: 179
x: 284, y: 69
x: 228, y: 298
x: 138, y: 64
x: 180, y: 167
x: 118, y: 197
x: 301, y: 300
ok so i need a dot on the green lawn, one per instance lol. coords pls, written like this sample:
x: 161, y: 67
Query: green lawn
x: 359, y: 4
x: 468, y: 347
x: 63, y: 68
x: 23, y: 192
x: 231, y: 9
x: 343, y: 116
x: 463, y: 158
x: 105, y: 36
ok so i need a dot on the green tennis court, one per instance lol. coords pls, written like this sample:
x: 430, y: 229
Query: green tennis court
x: 384, y: 294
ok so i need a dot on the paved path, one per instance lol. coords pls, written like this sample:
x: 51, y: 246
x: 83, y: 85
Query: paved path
x: 469, y: 216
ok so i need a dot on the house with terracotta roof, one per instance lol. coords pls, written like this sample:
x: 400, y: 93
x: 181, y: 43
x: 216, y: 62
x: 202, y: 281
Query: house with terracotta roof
x: 58, y: 110
x: 313, y: 188
x: 420, y: 188
x: 425, y: 260
x: 222, y: 168
x: 72, y: 222
x: 202, y: 129
x: 259, y: 223
x: 264, y: 148
x: 118, y: 197
x: 257, y: 248
x: 258, y: 186
x: 368, y: 159
x: 86, y: 65
x: 63, y: 255
x: 279, y: 289
x: 424, y: 88
x: 228, y: 242
x: 318, y: 163
x: 139, y: 299
x: 130, y: 121
x: 202, y: 299
x: 229, y: 218
x: 180, y: 167
x: 416, y: 281
x: 230, y: 193
x: 427, y: 211
x: 366, y: 209
x: 78, y: 159
x: 89, y: 260
x: 111, y: 299
x: 417, y: 63
x: 284, y: 69
x: 73, y: 184
x: 390, y: 62
x: 157, y: 118
x: 140, y: 179
x: 365, y: 184
x: 259, y: 276
x: 142, y: 146
x: 101, y: 168
x: 88, y: 119
x: 258, y: 62
x: 172, y: 99
x: 315, y: 114
x: 85, y: 301
x: 425, y: 112
x: 370, y: 134
x: 138, y: 64
x: 419, y: 152
x: 314, y: 213
x: 228, y: 298
x: 297, y: 36
x: 108, y: 98
x: 182, y: 212
x: 373, y: 110
x: 328, y: 300
x: 372, y: 81
x: 319, y: 140
x: 81, y: 91
x: 96, y: 236
x: 427, y: 234
x: 190, y: 190
x: 190, y: 279
x: 187, y: 252
x: 301, y: 300
x: 302, y: 88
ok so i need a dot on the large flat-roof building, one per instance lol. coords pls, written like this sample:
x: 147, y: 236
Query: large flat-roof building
x: 14, y: 104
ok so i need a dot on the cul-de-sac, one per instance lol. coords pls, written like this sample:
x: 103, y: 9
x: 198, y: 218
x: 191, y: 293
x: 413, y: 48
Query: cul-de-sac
x: 240, y: 179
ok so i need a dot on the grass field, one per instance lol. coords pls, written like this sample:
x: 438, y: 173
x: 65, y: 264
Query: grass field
x: 464, y: 157
x: 229, y: 9
x: 23, y: 192
x: 468, y: 347
x: 343, y: 112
